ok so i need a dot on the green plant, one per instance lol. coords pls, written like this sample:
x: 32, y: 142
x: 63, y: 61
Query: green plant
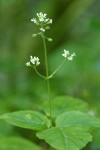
x: 65, y: 122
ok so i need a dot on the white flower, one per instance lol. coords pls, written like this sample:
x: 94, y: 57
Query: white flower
x: 66, y: 53
x: 42, y: 29
x: 42, y: 20
x: 41, y: 16
x: 28, y: 64
x: 34, y: 20
x: 34, y: 60
x: 71, y: 56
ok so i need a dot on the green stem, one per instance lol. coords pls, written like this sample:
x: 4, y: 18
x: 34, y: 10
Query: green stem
x: 47, y: 74
x: 38, y: 72
x: 57, y: 69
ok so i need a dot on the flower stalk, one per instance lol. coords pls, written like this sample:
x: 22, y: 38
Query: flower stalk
x: 47, y: 75
x: 43, y: 24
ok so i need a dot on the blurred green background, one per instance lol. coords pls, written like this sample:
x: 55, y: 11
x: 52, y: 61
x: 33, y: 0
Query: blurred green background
x: 76, y: 27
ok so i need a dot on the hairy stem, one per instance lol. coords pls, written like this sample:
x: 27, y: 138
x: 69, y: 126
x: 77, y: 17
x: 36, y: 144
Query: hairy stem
x: 47, y: 75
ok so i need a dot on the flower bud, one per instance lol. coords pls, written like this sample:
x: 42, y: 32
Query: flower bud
x: 34, y: 35
x: 50, y: 39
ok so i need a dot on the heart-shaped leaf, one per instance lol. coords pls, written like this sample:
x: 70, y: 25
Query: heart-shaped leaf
x: 78, y: 119
x: 67, y: 138
x: 27, y: 119
x: 62, y: 104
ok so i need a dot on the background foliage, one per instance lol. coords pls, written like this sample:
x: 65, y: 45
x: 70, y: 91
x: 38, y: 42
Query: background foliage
x: 76, y: 26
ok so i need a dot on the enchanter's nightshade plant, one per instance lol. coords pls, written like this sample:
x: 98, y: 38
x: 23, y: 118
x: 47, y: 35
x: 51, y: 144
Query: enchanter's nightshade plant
x: 63, y: 122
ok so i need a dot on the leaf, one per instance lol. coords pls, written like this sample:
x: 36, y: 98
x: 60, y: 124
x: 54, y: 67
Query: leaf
x: 95, y: 145
x: 17, y: 143
x: 67, y: 138
x: 71, y: 132
x: 27, y: 119
x: 76, y: 118
x: 63, y: 103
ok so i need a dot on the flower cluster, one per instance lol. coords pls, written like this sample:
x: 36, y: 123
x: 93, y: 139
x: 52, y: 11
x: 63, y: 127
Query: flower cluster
x: 33, y: 60
x: 66, y: 54
x: 42, y: 21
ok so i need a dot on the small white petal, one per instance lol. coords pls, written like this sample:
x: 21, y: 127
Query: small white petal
x: 70, y: 58
x: 41, y: 19
x: 50, y: 39
x: 50, y: 21
x: 44, y: 15
x: 66, y: 53
x: 42, y: 29
x: 36, y: 58
x: 46, y: 20
x: 34, y: 35
x: 34, y: 20
x: 38, y: 14
x: 32, y: 60
x: 31, y: 57
x: 28, y: 64
x: 37, y: 63
x: 73, y: 54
